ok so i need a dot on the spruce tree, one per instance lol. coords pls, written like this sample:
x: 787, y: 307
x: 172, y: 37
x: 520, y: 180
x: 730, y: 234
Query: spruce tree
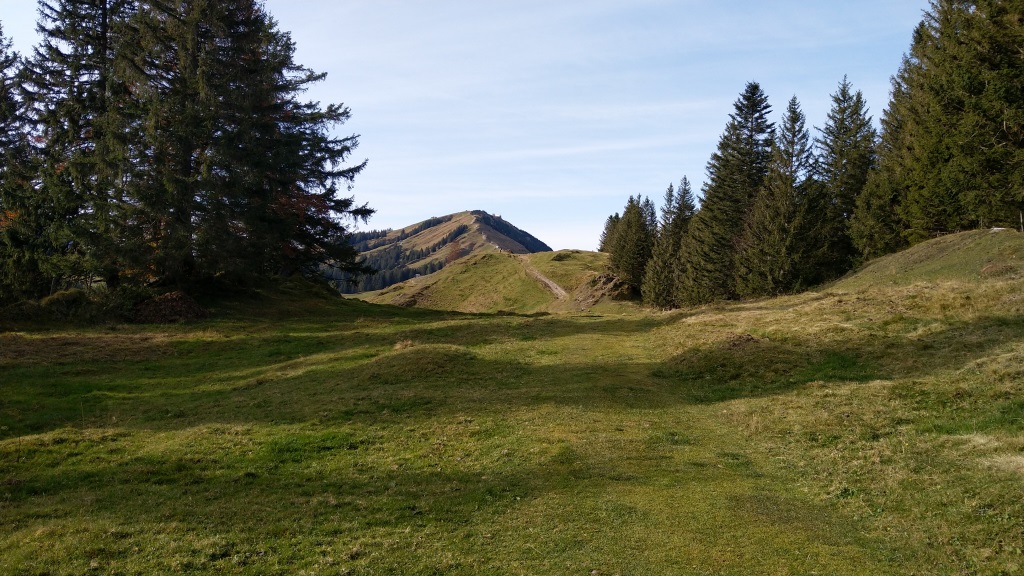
x: 236, y: 184
x: 20, y: 274
x: 934, y: 201
x: 876, y: 226
x: 650, y: 215
x: 293, y: 220
x: 989, y: 140
x: 769, y: 259
x: 686, y: 209
x: 607, y: 238
x: 736, y: 172
x: 76, y: 101
x: 10, y: 108
x: 845, y: 156
x: 658, y: 287
x: 961, y: 116
x: 667, y: 208
x: 633, y: 242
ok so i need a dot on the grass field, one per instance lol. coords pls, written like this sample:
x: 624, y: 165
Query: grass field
x: 873, y: 427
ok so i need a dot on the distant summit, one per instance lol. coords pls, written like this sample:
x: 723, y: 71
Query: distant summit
x: 426, y: 247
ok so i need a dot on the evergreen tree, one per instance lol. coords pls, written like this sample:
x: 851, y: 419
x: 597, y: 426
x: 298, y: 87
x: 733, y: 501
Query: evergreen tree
x: 650, y: 215
x: 292, y: 220
x: 171, y: 144
x: 20, y: 274
x: 845, y: 157
x: 736, y: 172
x: 633, y: 242
x: 989, y: 139
x: 236, y: 184
x: 10, y: 109
x: 75, y: 101
x: 607, y: 238
x: 769, y: 259
x: 658, y: 287
x: 876, y: 227
x: 686, y: 209
x: 667, y: 207
x: 933, y: 204
x: 961, y: 118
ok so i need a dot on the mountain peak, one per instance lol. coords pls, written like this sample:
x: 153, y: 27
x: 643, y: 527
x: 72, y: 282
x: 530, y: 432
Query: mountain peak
x: 426, y: 247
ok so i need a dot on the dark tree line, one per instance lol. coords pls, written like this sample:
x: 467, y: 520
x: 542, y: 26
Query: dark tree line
x: 166, y: 143
x: 782, y: 211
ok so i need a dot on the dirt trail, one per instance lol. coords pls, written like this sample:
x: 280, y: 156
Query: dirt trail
x: 548, y: 283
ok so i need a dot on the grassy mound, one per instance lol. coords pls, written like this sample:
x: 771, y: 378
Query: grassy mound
x: 978, y: 256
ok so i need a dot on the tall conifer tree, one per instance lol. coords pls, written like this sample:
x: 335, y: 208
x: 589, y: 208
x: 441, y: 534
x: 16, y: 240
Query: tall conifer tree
x: 988, y: 71
x: 934, y: 201
x: 20, y: 275
x: 633, y: 241
x: 75, y: 101
x: 236, y: 184
x: 736, y: 172
x: 10, y: 109
x: 876, y: 226
x: 952, y: 152
x: 658, y: 288
x: 769, y: 261
x: 845, y: 156
x: 607, y: 239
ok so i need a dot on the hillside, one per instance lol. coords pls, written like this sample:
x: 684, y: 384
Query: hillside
x: 428, y: 246
x: 977, y: 256
x: 568, y: 280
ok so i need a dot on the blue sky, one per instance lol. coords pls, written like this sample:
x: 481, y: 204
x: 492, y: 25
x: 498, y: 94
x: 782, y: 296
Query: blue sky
x: 552, y: 113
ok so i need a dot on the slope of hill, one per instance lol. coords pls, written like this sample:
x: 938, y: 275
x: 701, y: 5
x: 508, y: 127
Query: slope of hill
x: 428, y: 246
x: 980, y: 255
x: 502, y: 282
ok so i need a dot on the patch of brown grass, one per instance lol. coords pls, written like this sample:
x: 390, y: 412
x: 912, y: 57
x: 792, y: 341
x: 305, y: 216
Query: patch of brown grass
x: 26, y: 349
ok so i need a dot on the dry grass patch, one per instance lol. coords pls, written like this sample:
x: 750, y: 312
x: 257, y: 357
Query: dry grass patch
x: 35, y: 348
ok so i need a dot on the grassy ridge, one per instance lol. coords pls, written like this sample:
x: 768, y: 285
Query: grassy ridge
x: 489, y: 283
x: 482, y: 283
x: 859, y: 430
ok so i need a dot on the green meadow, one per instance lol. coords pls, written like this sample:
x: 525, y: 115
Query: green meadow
x: 873, y: 426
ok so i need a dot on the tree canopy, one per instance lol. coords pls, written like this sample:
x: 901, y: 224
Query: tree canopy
x: 170, y: 145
